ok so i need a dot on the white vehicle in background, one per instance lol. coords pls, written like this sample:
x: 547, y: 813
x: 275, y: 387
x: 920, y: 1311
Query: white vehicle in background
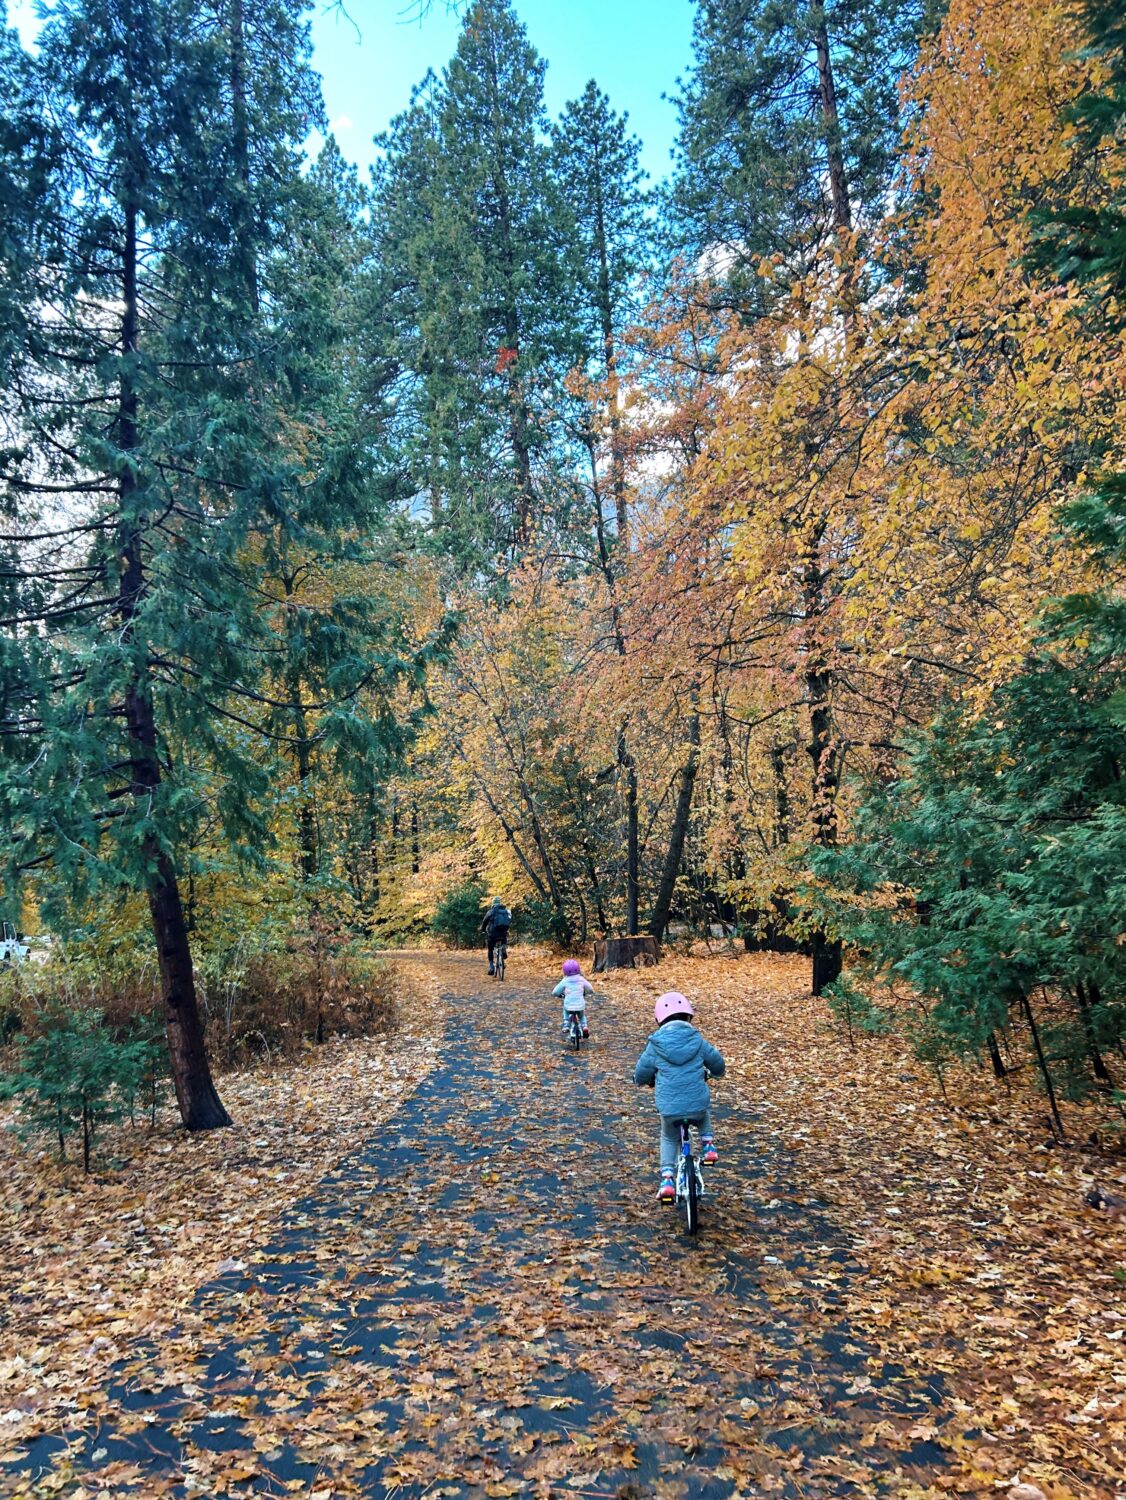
x: 13, y: 949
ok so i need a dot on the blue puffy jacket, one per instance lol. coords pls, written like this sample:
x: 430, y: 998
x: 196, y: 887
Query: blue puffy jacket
x: 676, y: 1056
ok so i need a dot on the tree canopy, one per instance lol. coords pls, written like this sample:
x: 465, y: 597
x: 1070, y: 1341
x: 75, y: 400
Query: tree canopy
x: 743, y: 549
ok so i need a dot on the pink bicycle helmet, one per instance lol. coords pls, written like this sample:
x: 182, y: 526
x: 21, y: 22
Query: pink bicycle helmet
x: 672, y: 1004
x: 571, y: 966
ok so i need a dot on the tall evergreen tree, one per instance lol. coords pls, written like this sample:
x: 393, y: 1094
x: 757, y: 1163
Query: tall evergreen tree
x: 28, y: 251
x: 340, y: 638
x: 473, y: 256
x: 597, y: 164
x: 176, y: 440
x: 789, y: 121
x: 598, y: 168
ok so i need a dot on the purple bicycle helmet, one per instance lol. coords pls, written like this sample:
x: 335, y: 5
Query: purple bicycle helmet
x: 571, y: 966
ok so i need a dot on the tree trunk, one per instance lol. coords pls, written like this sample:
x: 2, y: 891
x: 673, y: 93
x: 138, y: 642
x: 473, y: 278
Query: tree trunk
x: 306, y: 815
x: 627, y: 768
x: 373, y: 860
x: 626, y: 953
x: 626, y: 764
x: 781, y: 797
x: 826, y: 87
x: 633, y: 845
x: 200, y: 1106
x: 995, y: 1056
x: 1045, y: 1073
x: 596, y: 892
x: 240, y: 137
x: 823, y: 748
x: 1089, y: 995
x: 826, y: 962
x: 308, y: 842
x: 605, y: 301
x: 658, y: 921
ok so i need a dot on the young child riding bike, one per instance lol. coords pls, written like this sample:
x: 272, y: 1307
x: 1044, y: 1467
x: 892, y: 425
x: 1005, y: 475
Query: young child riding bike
x: 677, y: 1060
x: 574, y: 989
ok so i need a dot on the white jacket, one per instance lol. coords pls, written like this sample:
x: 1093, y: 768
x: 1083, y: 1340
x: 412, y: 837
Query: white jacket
x: 574, y: 989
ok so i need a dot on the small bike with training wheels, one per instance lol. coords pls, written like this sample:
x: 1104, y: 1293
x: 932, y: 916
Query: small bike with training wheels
x: 689, y: 1179
x: 575, y: 1029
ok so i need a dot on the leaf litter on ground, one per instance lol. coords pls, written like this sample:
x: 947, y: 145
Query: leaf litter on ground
x: 975, y: 1270
x: 88, y: 1265
x: 981, y: 1261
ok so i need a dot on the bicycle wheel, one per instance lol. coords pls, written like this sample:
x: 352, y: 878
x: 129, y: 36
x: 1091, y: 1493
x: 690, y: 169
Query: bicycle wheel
x: 576, y: 1035
x: 691, y: 1196
x: 501, y: 955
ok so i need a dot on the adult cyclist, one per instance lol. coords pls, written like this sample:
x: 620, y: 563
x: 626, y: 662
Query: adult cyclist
x: 497, y: 921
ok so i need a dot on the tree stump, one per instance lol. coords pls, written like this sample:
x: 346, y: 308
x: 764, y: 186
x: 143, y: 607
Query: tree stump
x: 626, y: 953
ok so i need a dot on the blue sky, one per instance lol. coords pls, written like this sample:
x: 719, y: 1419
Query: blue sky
x: 634, y: 48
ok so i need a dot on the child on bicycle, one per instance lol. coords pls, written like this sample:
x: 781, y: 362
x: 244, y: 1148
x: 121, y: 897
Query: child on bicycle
x: 574, y: 988
x: 677, y: 1060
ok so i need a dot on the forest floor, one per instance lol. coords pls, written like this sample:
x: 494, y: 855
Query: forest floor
x: 433, y: 1264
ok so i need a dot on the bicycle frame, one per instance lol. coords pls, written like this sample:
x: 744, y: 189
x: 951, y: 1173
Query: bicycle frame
x: 575, y: 1029
x: 688, y: 1192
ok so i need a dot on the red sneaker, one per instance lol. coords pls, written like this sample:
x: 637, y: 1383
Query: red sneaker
x: 667, y: 1192
x: 708, y: 1153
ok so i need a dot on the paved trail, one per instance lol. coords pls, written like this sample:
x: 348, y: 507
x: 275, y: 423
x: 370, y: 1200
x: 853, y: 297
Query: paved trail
x: 489, y: 1301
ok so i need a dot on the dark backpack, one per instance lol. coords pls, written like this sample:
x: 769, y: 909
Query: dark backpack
x: 500, y: 916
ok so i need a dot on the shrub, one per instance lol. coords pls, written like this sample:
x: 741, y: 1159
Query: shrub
x: 255, y: 1002
x: 76, y: 1074
x: 540, y: 921
x: 459, y: 915
x: 258, y: 1003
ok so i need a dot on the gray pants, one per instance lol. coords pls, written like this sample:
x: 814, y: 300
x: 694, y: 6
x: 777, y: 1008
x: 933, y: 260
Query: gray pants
x: 670, y: 1136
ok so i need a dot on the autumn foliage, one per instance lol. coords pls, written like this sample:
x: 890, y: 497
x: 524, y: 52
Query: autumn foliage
x: 737, y: 561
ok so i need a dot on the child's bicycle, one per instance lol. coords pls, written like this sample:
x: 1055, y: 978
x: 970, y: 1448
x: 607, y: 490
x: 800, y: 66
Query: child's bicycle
x: 689, y: 1180
x: 575, y: 1029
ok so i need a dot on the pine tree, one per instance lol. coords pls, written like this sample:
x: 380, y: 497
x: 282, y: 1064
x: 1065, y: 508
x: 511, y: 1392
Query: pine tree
x: 28, y: 250
x: 1082, y: 240
x: 789, y: 123
x: 343, y: 643
x: 1006, y: 840
x: 26, y: 145
x: 473, y: 279
x: 597, y: 165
